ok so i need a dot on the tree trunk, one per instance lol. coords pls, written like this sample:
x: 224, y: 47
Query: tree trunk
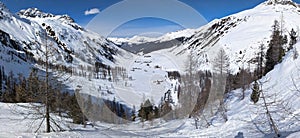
x: 273, y: 125
x: 47, y: 119
x: 47, y: 91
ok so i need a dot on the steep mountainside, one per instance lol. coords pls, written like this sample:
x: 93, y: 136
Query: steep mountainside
x: 76, y: 56
x: 241, y: 34
x: 25, y: 36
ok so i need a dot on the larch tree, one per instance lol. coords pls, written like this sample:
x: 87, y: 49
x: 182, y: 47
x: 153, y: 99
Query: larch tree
x: 221, y: 63
x: 270, y: 107
x: 42, y: 89
x: 221, y: 68
x: 188, y: 91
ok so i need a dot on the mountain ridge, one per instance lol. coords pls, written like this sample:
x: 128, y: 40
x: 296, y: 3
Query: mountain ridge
x: 31, y: 29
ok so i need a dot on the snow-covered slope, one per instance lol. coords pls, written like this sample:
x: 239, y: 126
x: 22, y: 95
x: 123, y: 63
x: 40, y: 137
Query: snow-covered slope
x: 25, y: 38
x: 241, y: 34
x: 280, y: 87
x: 31, y: 31
x: 78, y: 51
x: 242, y: 114
x: 82, y: 44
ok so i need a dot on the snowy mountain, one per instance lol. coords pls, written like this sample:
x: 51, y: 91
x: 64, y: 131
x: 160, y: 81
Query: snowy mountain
x: 92, y: 64
x: 32, y: 29
x: 241, y: 34
x: 145, y: 44
x: 144, y: 39
x: 137, y: 77
x: 31, y: 37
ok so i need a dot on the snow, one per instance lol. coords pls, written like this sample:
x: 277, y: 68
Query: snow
x: 144, y: 39
x: 241, y: 41
x: 253, y: 28
x: 133, y: 40
x: 149, y: 81
x: 294, y: 135
x: 17, y: 123
x: 241, y: 113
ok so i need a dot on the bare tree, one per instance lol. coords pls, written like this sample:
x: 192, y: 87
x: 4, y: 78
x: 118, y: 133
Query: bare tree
x: 271, y: 110
x: 47, y: 102
x: 43, y: 89
x: 272, y: 122
x: 221, y: 62
x: 260, y: 61
x: 189, y: 87
x: 221, y: 67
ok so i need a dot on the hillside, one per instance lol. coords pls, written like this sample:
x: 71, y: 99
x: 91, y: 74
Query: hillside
x: 69, y: 40
x: 177, y: 75
x: 241, y: 34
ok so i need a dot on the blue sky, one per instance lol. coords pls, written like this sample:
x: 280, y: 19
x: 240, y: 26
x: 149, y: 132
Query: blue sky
x: 209, y: 9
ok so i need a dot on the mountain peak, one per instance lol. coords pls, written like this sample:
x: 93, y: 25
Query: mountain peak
x: 34, y: 12
x: 67, y: 18
x: 278, y: 1
x: 281, y: 2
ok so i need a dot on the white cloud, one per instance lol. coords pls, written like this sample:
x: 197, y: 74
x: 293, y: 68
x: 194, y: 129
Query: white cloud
x: 92, y: 11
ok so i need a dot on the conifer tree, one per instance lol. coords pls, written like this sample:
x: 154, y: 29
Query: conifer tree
x: 21, y: 90
x: 293, y: 38
x: 255, y: 92
x: 275, y: 52
x: 133, y: 116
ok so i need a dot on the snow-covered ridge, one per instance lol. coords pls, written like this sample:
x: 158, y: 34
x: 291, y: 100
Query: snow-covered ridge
x: 144, y: 39
x: 132, y: 40
x: 282, y: 2
x: 36, y: 13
